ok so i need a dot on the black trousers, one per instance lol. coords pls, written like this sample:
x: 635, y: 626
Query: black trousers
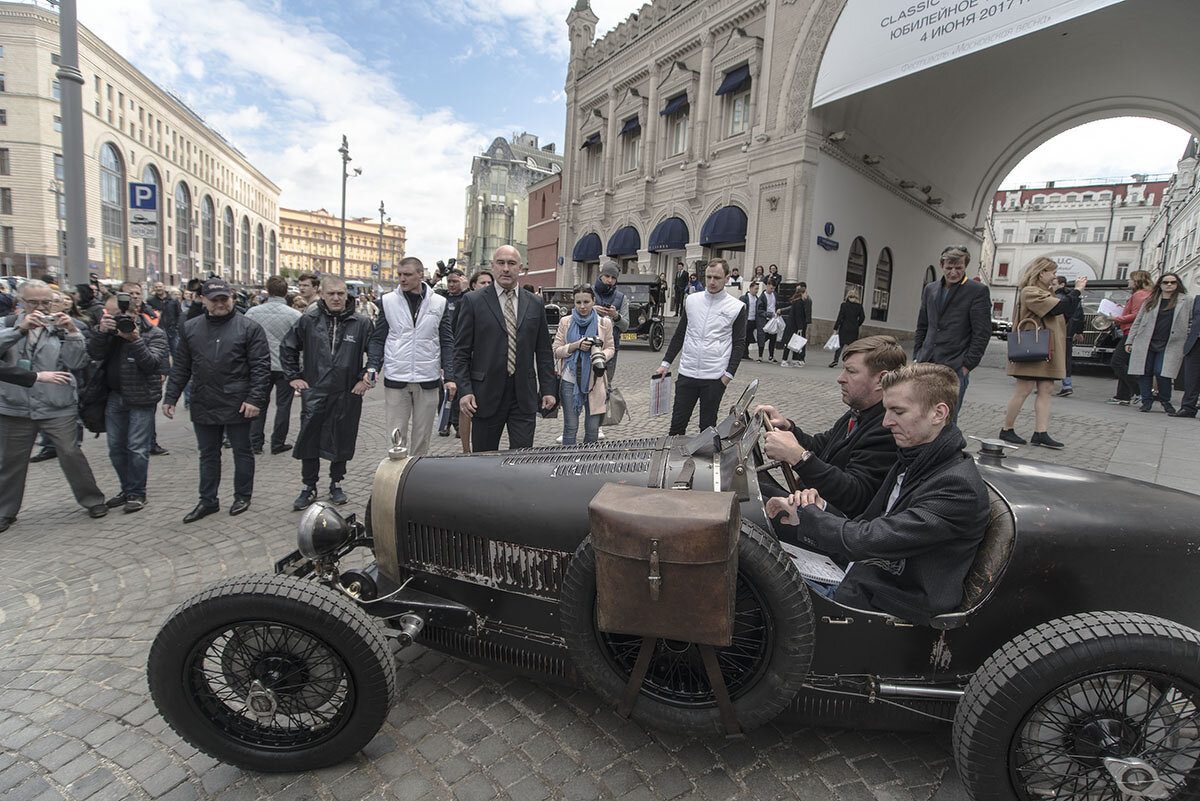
x: 1126, y: 387
x: 764, y: 338
x: 1191, y: 379
x: 486, y: 431
x: 708, y: 391
x: 310, y: 471
x: 283, y: 413
x: 680, y: 294
x: 208, y: 439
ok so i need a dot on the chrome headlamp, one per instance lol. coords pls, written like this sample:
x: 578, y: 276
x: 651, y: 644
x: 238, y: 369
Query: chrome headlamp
x: 322, y: 531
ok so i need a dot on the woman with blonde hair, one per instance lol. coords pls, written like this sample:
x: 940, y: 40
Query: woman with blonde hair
x: 1140, y: 283
x: 1155, y: 342
x: 1037, y: 304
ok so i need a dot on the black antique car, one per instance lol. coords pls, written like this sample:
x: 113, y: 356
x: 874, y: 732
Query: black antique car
x: 645, y: 317
x: 1100, y: 334
x: 1071, y: 669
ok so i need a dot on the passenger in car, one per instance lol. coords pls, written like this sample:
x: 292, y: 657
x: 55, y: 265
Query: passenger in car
x: 848, y: 462
x: 910, y: 550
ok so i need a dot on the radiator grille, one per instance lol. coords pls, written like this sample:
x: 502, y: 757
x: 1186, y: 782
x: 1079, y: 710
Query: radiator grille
x: 504, y: 565
x: 482, y: 650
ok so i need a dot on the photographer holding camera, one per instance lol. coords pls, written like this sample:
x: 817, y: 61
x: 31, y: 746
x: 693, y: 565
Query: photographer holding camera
x: 41, y: 340
x: 584, y: 344
x: 134, y: 355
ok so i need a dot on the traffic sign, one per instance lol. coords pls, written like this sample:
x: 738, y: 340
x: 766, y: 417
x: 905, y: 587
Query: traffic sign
x: 374, y: 269
x: 143, y: 204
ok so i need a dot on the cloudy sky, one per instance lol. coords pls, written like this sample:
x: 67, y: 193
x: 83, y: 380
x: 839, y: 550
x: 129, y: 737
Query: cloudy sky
x: 419, y: 87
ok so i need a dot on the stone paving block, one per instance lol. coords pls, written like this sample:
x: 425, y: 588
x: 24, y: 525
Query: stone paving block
x: 509, y: 771
x: 809, y: 787
x: 473, y: 788
x: 454, y: 767
x: 620, y: 778
x: 716, y: 784
x: 671, y: 783
x: 352, y: 786
x: 395, y: 764
x: 854, y: 791
x: 410, y: 785
x: 874, y: 770
x: 30, y: 788
x: 435, y: 746
x: 220, y: 777
x: 182, y: 792
x: 580, y: 788
x: 531, y: 788
x: 14, y: 774
x: 164, y: 780
x: 558, y: 769
x: 600, y: 753
x: 472, y: 732
x: 74, y: 769
x: 92, y: 783
x: 640, y: 793
x: 540, y: 746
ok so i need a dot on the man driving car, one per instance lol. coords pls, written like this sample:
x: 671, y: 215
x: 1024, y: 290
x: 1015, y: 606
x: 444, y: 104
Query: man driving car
x: 910, y: 550
x: 848, y: 462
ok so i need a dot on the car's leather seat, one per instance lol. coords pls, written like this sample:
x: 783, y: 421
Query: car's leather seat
x: 993, y: 553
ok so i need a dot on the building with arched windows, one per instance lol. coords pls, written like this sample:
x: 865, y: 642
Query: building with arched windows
x: 310, y: 242
x: 133, y: 132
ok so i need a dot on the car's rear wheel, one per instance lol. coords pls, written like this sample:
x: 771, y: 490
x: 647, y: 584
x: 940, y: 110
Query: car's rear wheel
x: 657, y: 336
x: 763, y: 669
x: 1092, y: 706
x: 272, y: 673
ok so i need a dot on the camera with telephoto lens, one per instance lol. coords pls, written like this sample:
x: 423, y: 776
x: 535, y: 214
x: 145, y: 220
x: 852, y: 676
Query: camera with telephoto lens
x: 125, y: 321
x: 599, y: 363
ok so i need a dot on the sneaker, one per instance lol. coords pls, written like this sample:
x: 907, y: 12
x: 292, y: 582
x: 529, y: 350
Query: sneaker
x: 1008, y: 435
x: 1064, y: 392
x: 305, y: 498
x: 784, y: 363
x: 99, y: 510
x: 258, y: 449
x: 1135, y: 400
x: 800, y: 363
x: 278, y: 449
x: 1117, y: 402
x: 116, y: 500
x: 134, y: 504
x: 337, y: 495
x: 600, y: 434
x: 1044, y: 439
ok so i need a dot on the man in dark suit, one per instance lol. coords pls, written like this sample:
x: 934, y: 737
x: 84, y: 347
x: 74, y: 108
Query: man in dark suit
x: 681, y: 285
x: 847, y: 463
x: 955, y: 320
x: 502, y: 358
x: 1191, y: 366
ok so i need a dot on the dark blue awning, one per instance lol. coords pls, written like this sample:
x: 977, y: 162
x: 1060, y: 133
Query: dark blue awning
x: 735, y: 80
x: 587, y: 248
x: 670, y: 234
x: 674, y: 104
x: 625, y: 242
x: 594, y: 139
x: 726, y: 225
x: 631, y: 124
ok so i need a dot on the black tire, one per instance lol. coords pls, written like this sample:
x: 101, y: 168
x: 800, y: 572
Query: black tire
x: 1040, y: 716
x: 764, y: 669
x: 657, y: 336
x: 243, y: 642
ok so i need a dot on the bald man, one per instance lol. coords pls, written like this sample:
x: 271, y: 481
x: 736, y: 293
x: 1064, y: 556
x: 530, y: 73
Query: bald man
x: 503, y: 365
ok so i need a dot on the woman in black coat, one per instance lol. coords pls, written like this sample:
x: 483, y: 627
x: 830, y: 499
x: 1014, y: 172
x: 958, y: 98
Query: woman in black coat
x: 850, y: 318
x: 797, y: 321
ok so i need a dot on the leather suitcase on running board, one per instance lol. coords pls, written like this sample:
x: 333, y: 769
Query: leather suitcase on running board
x: 666, y: 562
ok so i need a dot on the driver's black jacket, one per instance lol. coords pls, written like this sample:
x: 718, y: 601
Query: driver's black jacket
x: 911, y: 561
x: 847, y: 470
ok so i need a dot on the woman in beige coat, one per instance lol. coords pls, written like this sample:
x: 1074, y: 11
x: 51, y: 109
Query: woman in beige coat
x: 1039, y: 307
x: 573, y: 344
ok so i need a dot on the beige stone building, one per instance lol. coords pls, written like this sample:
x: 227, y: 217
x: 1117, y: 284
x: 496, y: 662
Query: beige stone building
x: 216, y: 212
x: 310, y: 241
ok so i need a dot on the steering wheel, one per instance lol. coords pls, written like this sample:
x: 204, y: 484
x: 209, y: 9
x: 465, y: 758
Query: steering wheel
x: 789, y: 477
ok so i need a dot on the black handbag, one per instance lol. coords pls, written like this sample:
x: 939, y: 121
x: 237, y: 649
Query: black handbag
x: 1029, y: 346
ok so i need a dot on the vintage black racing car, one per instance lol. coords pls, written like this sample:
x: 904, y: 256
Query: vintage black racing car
x: 1071, y: 670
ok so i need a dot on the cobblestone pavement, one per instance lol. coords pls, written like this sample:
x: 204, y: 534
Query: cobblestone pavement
x: 82, y: 600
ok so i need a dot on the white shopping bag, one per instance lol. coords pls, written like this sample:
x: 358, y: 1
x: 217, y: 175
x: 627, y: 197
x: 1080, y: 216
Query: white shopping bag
x: 660, y: 395
x: 797, y: 343
x: 833, y: 343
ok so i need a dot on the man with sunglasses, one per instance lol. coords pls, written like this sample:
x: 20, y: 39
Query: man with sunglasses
x: 955, y: 320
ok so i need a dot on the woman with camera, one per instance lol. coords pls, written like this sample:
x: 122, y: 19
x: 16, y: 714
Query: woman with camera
x: 583, y: 344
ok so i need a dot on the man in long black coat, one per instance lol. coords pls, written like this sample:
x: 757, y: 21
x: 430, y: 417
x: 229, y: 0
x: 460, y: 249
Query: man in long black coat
x: 848, y: 462
x: 228, y: 361
x: 332, y: 382
x: 502, y: 358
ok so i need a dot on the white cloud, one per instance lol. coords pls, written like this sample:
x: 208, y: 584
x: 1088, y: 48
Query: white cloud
x: 286, y: 92
x: 1113, y: 148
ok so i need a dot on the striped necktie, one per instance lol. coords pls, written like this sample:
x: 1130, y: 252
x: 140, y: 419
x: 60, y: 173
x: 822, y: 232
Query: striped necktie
x: 510, y: 322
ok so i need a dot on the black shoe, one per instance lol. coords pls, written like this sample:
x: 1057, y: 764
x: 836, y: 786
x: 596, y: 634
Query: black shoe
x: 1044, y: 439
x: 99, y: 510
x: 833, y: 364
x: 1064, y: 392
x: 1168, y: 408
x: 305, y: 498
x: 1008, y: 435
x: 158, y: 450
x: 116, y: 500
x: 200, y: 511
x: 443, y: 432
x: 44, y: 454
x: 278, y: 449
x: 5, y: 522
x: 1146, y: 407
x: 336, y: 495
x: 258, y: 449
x: 1184, y: 412
x: 134, y: 504
x: 238, y: 506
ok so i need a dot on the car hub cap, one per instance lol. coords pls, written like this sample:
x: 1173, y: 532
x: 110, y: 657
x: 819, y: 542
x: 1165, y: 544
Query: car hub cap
x: 677, y: 676
x: 270, y: 685
x: 1118, y: 735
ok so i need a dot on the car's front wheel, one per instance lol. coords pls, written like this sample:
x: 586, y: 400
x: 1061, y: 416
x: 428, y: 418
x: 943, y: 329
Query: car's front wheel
x: 763, y: 668
x: 272, y: 673
x: 1091, y: 706
x: 657, y: 336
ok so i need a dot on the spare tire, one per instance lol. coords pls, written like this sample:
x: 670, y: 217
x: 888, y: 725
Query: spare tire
x: 763, y: 669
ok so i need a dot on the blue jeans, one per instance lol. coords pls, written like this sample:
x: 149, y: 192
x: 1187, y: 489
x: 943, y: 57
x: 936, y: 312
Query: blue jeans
x: 1151, y: 373
x: 208, y: 439
x: 591, y: 422
x: 130, y: 431
x: 963, y: 380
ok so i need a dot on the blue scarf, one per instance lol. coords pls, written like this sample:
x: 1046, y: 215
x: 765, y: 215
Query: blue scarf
x: 579, y: 328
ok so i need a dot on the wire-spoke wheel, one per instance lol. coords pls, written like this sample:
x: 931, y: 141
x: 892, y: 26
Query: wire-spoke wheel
x: 272, y: 673
x: 1087, y: 708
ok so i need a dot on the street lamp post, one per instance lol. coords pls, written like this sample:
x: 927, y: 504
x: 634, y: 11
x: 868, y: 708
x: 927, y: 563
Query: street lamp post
x: 71, y: 104
x: 379, y: 263
x: 56, y: 189
x: 345, y: 151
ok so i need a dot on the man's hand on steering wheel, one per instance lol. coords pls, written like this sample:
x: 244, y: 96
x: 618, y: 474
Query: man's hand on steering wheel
x: 777, y: 419
x: 781, y: 446
x: 782, y: 506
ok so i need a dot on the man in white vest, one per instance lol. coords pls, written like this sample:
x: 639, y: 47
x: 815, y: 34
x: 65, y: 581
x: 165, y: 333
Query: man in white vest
x: 712, y: 338
x: 409, y: 349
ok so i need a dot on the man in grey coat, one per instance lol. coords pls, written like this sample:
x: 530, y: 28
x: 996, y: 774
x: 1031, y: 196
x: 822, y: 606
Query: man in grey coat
x: 276, y: 318
x: 40, y: 340
x: 955, y: 320
x: 1191, y: 366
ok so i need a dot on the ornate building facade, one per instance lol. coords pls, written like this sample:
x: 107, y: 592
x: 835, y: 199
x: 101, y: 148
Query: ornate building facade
x: 311, y: 242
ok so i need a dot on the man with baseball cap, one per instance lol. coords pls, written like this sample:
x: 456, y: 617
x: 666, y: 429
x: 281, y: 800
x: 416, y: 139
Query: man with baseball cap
x: 228, y: 361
